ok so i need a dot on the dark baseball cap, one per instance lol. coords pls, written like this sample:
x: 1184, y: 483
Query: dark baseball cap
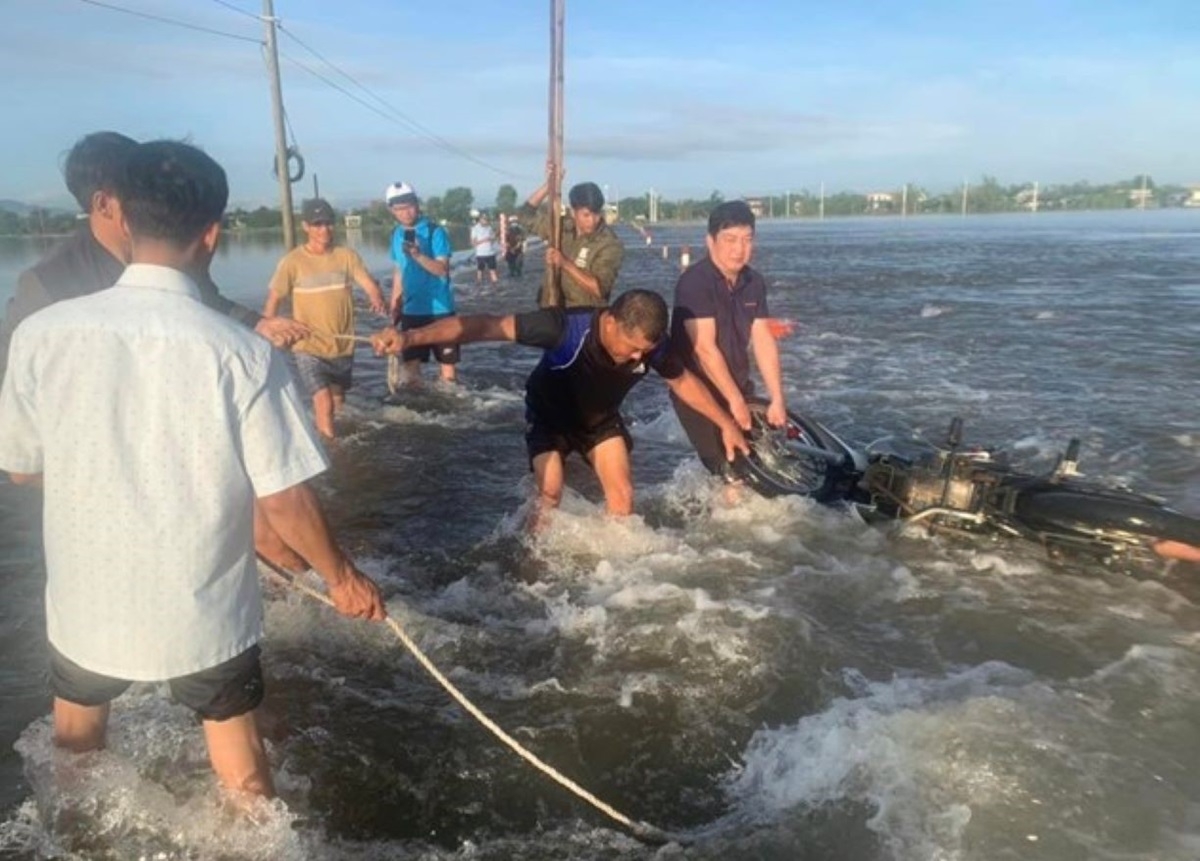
x: 317, y: 209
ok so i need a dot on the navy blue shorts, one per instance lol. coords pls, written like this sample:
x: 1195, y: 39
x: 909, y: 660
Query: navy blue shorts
x: 445, y: 354
x: 225, y: 691
x: 316, y: 373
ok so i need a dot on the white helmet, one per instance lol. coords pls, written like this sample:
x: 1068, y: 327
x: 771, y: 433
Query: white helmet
x: 400, y: 192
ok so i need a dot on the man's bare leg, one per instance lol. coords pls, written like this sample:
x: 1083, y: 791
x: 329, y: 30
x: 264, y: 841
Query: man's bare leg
x: 412, y: 374
x: 548, y: 475
x: 610, y: 459
x: 323, y: 412
x: 449, y: 373
x: 339, y: 399
x: 79, y: 728
x: 238, y: 756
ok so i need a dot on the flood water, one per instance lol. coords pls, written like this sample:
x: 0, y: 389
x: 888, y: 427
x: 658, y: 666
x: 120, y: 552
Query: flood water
x: 771, y: 679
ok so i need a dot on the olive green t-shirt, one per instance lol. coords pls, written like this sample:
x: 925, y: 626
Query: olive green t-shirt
x: 320, y: 287
x: 600, y: 253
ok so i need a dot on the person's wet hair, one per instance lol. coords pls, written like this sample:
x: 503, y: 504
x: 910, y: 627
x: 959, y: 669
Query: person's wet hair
x: 171, y: 191
x: 587, y: 195
x: 94, y: 164
x: 643, y: 312
x: 731, y: 213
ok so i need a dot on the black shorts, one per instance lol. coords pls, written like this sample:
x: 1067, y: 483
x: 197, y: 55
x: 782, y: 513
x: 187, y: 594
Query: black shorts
x: 540, y: 438
x: 227, y: 690
x: 447, y: 354
x: 486, y: 262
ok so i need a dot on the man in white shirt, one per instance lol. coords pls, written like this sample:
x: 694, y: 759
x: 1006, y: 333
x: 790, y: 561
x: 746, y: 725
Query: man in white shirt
x: 483, y: 240
x: 153, y: 424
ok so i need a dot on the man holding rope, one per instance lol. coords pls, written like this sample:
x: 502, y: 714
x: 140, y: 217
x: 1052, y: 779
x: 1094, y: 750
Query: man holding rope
x: 317, y: 277
x: 153, y: 423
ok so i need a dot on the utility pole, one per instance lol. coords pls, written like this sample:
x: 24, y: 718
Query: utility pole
x: 281, y: 154
x: 904, y: 202
x: 966, y: 186
x: 821, y: 208
x: 316, y: 187
x: 1034, y: 208
x: 788, y: 205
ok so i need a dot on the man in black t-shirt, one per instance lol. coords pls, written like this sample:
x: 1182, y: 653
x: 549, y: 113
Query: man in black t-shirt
x: 720, y: 316
x: 592, y: 358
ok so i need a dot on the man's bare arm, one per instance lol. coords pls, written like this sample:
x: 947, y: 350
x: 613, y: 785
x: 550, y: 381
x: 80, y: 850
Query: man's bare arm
x: 296, y: 516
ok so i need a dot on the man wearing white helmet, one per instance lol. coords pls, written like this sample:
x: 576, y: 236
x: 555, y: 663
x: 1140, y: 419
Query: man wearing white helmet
x: 421, y: 291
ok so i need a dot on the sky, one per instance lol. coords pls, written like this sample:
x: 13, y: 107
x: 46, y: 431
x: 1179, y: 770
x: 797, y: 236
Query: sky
x: 682, y: 96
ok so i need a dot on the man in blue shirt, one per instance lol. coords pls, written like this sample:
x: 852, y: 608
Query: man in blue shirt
x: 421, y: 292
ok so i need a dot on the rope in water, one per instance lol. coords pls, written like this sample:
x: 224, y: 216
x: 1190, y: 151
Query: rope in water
x: 640, y: 830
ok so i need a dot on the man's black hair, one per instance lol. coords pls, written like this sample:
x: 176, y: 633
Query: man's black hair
x: 643, y: 312
x: 94, y: 164
x: 731, y: 213
x: 171, y: 191
x: 587, y: 195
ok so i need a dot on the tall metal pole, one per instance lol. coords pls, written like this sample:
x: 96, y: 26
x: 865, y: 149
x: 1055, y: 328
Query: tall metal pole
x: 552, y: 293
x: 281, y: 158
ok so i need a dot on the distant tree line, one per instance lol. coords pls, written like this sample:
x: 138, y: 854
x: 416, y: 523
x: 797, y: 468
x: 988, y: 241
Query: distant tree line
x: 455, y: 207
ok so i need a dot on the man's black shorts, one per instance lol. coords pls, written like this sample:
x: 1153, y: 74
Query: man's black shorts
x: 486, y: 261
x: 225, y: 691
x: 445, y: 354
x: 540, y: 439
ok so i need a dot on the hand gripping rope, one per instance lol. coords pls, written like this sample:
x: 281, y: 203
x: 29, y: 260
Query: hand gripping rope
x: 641, y: 830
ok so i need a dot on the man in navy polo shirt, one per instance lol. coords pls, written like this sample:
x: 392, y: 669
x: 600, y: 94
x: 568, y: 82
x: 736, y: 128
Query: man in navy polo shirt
x: 721, y: 315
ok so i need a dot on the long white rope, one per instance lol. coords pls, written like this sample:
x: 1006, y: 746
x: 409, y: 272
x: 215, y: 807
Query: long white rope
x: 641, y: 830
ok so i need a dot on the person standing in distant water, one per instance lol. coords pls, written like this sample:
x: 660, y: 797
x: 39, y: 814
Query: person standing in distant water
x: 93, y: 257
x: 318, y: 277
x: 421, y: 290
x: 483, y: 240
x: 152, y: 424
x: 720, y: 315
x: 591, y: 254
x: 514, y: 247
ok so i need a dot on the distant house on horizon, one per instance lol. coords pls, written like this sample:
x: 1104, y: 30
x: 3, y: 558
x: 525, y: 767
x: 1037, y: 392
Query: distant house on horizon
x: 1193, y: 199
x: 756, y: 206
x: 880, y: 200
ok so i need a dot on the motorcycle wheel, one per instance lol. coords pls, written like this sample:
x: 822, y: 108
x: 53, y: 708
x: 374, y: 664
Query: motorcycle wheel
x: 777, y: 467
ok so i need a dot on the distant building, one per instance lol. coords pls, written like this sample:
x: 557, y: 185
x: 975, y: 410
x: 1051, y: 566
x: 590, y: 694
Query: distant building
x: 1193, y: 198
x: 1141, y: 197
x: 353, y: 221
x: 880, y: 201
x: 756, y: 206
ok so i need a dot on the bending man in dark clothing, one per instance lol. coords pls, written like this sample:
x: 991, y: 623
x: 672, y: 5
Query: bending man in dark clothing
x: 573, y: 397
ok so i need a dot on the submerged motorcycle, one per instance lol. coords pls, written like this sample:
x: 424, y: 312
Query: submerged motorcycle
x: 965, y: 489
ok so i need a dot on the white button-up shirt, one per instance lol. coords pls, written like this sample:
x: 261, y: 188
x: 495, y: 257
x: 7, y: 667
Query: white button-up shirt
x: 155, y: 423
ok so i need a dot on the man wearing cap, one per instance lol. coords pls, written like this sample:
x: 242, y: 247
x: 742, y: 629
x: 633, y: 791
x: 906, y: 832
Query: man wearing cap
x: 421, y: 291
x: 317, y: 278
x: 591, y: 254
x: 483, y: 240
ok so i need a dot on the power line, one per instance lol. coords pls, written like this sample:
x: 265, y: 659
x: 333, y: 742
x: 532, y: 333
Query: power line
x: 237, y: 9
x: 171, y: 21
x: 394, y: 113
